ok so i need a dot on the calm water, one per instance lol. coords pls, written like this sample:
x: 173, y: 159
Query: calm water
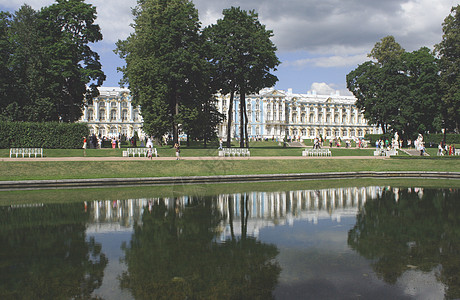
x: 346, y: 243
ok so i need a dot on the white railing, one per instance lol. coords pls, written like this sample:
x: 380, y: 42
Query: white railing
x: 316, y: 152
x: 234, y: 152
x: 26, y: 152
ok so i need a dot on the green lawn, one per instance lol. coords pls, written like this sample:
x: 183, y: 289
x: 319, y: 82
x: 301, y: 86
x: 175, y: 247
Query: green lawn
x: 24, y: 170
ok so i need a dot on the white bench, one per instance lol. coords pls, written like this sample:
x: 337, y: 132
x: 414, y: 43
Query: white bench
x: 234, y: 152
x: 139, y: 152
x: 457, y: 152
x: 26, y: 152
x: 385, y: 152
x: 316, y: 152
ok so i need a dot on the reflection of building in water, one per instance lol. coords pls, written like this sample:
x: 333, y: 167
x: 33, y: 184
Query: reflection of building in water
x: 263, y: 209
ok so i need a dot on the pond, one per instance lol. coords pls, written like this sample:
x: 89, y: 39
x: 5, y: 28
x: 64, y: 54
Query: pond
x: 376, y: 242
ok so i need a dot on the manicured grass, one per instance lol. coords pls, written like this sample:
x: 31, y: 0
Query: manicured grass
x: 28, y: 170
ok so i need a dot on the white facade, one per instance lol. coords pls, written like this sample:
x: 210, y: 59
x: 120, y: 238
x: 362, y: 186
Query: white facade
x: 112, y: 114
x: 276, y: 113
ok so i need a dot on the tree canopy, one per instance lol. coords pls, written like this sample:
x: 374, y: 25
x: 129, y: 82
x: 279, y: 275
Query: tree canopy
x: 165, y: 68
x: 449, y: 52
x: 400, y: 91
x: 50, y: 67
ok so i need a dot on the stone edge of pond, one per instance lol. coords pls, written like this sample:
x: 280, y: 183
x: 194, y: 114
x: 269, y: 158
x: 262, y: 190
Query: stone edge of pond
x: 152, y: 181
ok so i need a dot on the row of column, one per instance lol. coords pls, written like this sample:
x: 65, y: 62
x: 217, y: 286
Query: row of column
x: 108, y: 108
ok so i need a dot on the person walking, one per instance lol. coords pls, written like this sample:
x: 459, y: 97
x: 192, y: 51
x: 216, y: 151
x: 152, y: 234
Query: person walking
x: 177, y: 147
x: 84, y: 145
x: 150, y: 152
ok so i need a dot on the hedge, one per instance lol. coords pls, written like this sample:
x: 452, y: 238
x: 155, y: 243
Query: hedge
x: 50, y: 135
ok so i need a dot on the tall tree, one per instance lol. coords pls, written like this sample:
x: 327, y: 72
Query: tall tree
x: 70, y: 28
x: 449, y: 51
x: 419, y: 110
x: 6, y: 74
x: 50, y: 62
x: 398, y: 92
x: 244, y: 56
x: 163, y: 61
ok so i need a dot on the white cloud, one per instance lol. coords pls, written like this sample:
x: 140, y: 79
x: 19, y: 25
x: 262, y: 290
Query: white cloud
x: 322, y: 88
x: 328, y: 61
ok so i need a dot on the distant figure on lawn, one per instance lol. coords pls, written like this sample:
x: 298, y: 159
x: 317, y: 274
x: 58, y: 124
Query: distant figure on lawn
x: 177, y: 147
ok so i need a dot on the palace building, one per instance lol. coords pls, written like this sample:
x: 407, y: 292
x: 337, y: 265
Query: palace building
x: 276, y: 114
x: 271, y: 114
x: 111, y: 114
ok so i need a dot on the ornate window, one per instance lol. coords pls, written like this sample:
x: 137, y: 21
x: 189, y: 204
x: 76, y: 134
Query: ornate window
x: 113, y: 114
x: 90, y: 115
x: 124, y: 115
x: 102, y: 114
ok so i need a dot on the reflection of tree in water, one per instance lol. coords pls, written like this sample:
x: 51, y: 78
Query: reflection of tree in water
x: 412, y: 232
x: 44, y: 254
x: 174, y: 255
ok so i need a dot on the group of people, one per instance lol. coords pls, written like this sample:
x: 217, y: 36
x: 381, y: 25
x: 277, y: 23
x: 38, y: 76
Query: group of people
x: 444, y: 149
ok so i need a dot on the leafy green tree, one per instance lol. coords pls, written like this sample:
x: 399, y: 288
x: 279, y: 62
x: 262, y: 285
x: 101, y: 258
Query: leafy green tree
x: 31, y: 98
x: 419, y: 110
x: 50, y: 62
x: 6, y: 75
x: 449, y: 51
x: 163, y: 62
x: 243, y: 56
x: 69, y: 28
x: 400, y: 91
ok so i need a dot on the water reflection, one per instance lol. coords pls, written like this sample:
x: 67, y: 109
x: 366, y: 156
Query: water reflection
x: 368, y: 242
x: 259, y: 209
x: 410, y: 230
x: 44, y: 253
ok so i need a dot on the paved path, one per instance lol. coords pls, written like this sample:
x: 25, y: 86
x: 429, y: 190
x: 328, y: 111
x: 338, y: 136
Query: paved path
x: 413, y: 152
x: 184, y: 158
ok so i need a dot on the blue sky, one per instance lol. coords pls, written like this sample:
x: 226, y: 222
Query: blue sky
x: 318, y: 41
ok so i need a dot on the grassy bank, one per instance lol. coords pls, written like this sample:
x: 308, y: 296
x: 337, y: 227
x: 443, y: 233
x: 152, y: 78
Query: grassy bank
x: 123, y: 193
x: 33, y: 170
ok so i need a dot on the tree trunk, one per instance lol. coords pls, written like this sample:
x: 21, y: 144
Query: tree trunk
x: 242, y: 105
x: 246, y: 138
x: 230, y: 118
x: 176, y: 126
